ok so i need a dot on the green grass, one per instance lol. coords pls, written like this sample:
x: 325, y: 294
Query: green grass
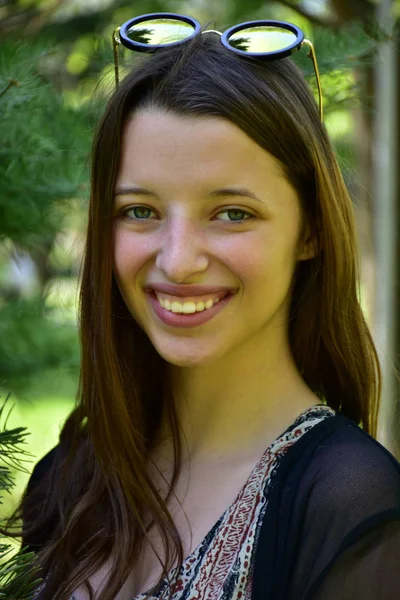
x: 41, y: 403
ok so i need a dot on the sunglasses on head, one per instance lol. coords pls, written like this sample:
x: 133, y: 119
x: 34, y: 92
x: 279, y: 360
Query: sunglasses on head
x: 269, y: 40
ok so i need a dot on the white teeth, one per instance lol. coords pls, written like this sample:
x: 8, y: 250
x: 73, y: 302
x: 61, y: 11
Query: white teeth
x: 186, y: 307
x: 176, y: 307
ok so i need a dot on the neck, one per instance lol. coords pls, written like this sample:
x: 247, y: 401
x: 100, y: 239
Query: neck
x: 237, y: 404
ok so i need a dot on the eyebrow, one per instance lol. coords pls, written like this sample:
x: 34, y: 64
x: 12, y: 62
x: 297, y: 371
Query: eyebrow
x: 221, y: 193
x: 240, y: 192
x: 127, y: 190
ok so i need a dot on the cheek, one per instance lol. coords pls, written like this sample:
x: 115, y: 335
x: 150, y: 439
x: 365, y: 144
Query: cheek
x: 130, y: 254
x: 265, y: 267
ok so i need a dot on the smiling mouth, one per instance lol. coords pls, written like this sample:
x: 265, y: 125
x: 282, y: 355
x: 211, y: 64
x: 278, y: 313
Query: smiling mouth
x: 173, y: 317
x: 188, y: 305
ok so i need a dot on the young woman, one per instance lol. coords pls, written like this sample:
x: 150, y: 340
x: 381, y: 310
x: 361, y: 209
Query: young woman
x: 223, y: 445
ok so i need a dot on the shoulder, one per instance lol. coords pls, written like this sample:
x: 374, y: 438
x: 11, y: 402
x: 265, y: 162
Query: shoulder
x: 351, y: 484
x: 351, y: 465
x: 334, y: 487
x: 336, y: 471
x: 43, y: 468
x: 38, y: 507
x: 349, y: 517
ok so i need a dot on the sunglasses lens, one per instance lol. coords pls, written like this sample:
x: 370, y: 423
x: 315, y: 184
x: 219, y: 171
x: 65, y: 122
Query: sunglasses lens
x: 160, y: 31
x: 262, y: 39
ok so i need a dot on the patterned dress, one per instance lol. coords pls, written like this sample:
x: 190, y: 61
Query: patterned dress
x: 221, y: 566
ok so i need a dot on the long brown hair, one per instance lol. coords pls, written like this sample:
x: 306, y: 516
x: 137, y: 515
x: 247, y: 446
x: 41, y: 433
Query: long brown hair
x: 93, y: 501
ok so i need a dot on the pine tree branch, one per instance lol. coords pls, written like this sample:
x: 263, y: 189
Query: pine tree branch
x: 19, y: 575
x: 11, y: 452
x: 11, y: 82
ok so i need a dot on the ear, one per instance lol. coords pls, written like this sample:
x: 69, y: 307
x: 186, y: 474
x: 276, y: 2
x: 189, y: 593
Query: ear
x: 308, y: 246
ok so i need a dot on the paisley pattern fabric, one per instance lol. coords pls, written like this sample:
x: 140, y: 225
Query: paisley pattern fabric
x: 220, y: 568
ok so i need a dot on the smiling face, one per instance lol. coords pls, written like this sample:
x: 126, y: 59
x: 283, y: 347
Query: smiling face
x: 199, y: 202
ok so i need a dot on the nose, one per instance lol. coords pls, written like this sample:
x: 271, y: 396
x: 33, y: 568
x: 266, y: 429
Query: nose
x: 182, y: 251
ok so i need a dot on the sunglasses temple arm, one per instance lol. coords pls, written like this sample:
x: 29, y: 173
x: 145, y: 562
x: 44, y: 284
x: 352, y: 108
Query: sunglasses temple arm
x: 116, y: 42
x: 313, y: 57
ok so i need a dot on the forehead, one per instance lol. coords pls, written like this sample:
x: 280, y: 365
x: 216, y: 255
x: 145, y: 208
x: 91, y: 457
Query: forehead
x: 163, y: 145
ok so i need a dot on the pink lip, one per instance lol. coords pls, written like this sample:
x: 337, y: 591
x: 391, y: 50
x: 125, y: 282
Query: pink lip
x: 186, y: 291
x: 181, y: 320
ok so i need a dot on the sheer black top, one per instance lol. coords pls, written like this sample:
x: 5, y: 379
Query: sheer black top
x: 332, y: 528
x: 331, y: 525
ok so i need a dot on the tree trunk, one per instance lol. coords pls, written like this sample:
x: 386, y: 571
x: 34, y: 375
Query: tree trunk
x: 386, y: 229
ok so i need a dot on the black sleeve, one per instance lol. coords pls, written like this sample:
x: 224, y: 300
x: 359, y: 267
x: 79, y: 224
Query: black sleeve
x: 35, y: 501
x: 332, y: 525
x: 368, y: 569
x: 348, y: 546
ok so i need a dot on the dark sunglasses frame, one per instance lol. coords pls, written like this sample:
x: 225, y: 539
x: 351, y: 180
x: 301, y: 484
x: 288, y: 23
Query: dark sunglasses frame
x: 120, y: 36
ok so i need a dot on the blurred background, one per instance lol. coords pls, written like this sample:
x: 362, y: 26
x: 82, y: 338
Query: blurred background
x: 56, y: 71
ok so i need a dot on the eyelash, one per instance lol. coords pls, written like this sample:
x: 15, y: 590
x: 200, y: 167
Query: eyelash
x: 239, y: 221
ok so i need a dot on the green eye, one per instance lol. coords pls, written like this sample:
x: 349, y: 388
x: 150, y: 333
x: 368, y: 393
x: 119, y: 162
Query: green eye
x: 237, y: 211
x: 142, y: 213
x: 138, y: 213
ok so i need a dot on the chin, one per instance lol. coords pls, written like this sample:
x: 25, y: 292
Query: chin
x: 186, y: 357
